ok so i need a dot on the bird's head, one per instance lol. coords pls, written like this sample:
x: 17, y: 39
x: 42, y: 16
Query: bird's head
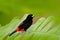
x: 30, y: 16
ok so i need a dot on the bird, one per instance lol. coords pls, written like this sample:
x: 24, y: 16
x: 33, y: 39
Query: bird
x: 24, y: 25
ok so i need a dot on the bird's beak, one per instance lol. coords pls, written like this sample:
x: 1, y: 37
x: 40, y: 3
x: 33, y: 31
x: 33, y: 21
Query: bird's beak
x: 33, y: 16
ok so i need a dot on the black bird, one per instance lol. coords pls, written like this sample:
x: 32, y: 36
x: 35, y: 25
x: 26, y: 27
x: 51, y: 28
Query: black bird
x: 24, y: 25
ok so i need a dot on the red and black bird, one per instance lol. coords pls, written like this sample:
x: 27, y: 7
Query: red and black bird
x: 24, y: 25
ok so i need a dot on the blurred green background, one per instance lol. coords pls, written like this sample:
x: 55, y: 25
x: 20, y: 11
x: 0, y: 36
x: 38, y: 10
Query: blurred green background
x: 12, y: 8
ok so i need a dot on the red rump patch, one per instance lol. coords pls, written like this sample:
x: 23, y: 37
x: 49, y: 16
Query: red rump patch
x: 19, y: 30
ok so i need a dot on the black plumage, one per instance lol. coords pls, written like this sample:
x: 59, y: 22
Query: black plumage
x: 25, y: 24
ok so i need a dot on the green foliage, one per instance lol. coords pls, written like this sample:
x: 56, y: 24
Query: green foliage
x: 43, y: 29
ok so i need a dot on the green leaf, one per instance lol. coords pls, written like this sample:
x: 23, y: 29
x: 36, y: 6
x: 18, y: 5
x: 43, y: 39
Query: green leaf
x: 7, y: 29
x: 41, y: 30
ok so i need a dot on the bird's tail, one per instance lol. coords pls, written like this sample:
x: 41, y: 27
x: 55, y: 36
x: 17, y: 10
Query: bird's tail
x: 12, y: 33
